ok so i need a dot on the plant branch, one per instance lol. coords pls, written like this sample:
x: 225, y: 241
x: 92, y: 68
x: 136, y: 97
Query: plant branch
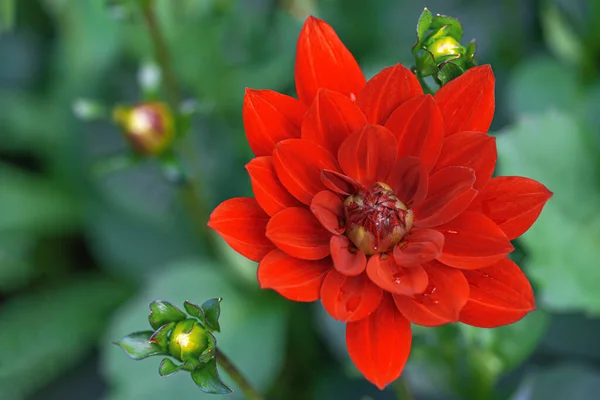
x: 190, y: 190
x: 235, y: 374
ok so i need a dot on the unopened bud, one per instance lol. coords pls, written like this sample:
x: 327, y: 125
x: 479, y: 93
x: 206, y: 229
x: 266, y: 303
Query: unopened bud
x: 188, y: 340
x: 148, y: 127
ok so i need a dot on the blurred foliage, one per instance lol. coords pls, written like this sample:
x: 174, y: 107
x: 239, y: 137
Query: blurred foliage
x: 83, y: 253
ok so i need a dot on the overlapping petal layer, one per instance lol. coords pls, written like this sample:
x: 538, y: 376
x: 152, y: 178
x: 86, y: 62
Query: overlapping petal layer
x: 379, y: 201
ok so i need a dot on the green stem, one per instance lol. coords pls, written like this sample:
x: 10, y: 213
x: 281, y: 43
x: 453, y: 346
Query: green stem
x: 402, y: 390
x: 190, y: 192
x: 161, y: 53
x: 225, y: 363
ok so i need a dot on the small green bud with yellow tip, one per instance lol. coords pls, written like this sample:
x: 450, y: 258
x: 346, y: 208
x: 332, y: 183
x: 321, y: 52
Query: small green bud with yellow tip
x: 188, y: 340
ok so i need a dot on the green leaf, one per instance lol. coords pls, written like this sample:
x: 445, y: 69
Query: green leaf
x: 7, y: 14
x: 161, y: 336
x: 426, y: 64
x: 540, y: 84
x: 16, y: 260
x: 470, y: 51
x: 553, y: 149
x: 167, y: 367
x: 53, y: 329
x: 247, y: 318
x: 452, y: 26
x: 212, y: 311
x: 210, y: 349
x: 560, y: 37
x: 564, y: 381
x: 423, y: 24
x: 449, y: 71
x: 163, y: 312
x: 34, y: 204
x: 195, y: 311
x: 208, y: 379
x: 137, y: 345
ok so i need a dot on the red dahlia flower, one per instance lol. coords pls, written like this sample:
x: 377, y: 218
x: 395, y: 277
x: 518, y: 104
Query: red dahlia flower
x: 379, y: 200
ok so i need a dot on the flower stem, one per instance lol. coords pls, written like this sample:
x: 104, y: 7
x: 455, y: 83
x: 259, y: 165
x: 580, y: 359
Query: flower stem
x: 402, y: 390
x: 161, y: 52
x: 190, y: 190
x: 249, y: 392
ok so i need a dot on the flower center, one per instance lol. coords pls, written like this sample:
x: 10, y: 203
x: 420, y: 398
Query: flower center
x: 376, y: 220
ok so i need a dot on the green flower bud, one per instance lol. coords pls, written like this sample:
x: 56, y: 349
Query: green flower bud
x: 445, y: 48
x: 188, y: 340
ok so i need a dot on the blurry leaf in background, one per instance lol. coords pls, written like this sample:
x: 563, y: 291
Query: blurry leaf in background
x: 7, y: 14
x: 16, y: 266
x: 541, y: 83
x: 252, y: 333
x: 562, y: 247
x: 565, y: 381
x: 31, y: 203
x: 501, y: 349
x: 44, y: 334
x: 560, y: 37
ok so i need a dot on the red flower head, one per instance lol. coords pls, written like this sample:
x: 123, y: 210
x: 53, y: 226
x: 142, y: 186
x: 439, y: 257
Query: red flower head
x: 379, y: 200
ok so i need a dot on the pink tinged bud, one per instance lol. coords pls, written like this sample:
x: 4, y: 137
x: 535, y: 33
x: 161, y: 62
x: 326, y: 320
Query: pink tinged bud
x: 376, y: 220
x: 148, y: 127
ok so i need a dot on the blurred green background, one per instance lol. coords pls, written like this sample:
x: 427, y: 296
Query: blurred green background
x: 83, y: 253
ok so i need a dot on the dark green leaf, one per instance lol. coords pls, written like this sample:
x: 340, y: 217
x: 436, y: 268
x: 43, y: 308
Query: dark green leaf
x: 212, y: 311
x: 162, y: 334
x: 470, y: 51
x: 54, y: 329
x: 423, y: 24
x: 194, y: 310
x: 453, y: 27
x: 167, y: 367
x: 210, y: 350
x: 138, y: 346
x: 426, y: 64
x: 162, y: 312
x: 207, y: 378
x: 449, y: 71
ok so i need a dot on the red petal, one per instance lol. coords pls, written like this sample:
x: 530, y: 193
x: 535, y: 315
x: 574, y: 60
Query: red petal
x: 473, y: 241
x: 513, y: 202
x: 441, y: 302
x: 349, y: 298
x: 270, y: 117
x: 331, y: 118
x: 294, y: 279
x: 339, y: 183
x: 394, y: 278
x: 322, y: 61
x: 409, y: 180
x: 420, y: 246
x: 475, y: 150
x: 329, y: 210
x: 269, y: 192
x: 298, y: 232
x: 386, y: 91
x: 419, y: 127
x: 450, y: 193
x: 347, y: 259
x: 379, y: 345
x: 298, y: 164
x: 368, y: 154
x: 242, y: 224
x: 467, y: 102
x: 500, y: 295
